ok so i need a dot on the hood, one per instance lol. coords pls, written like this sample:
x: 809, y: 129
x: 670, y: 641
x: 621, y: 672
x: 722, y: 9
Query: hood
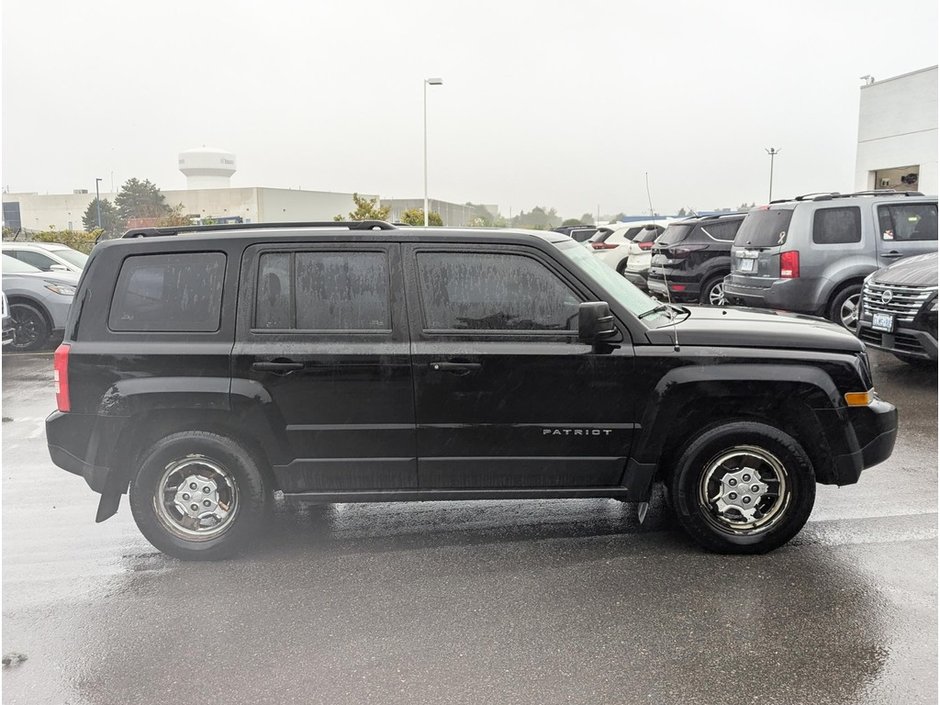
x: 70, y: 278
x: 910, y: 271
x: 757, y: 328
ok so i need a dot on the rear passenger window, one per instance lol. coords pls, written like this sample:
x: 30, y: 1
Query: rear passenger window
x: 169, y: 293
x: 908, y: 221
x: 834, y: 226
x: 476, y: 291
x: 722, y: 231
x: 323, y: 291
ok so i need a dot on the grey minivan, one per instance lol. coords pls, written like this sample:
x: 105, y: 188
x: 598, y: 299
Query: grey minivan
x: 812, y: 253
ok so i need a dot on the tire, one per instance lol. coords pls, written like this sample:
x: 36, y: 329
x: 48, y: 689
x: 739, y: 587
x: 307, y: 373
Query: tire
x: 223, y: 472
x: 31, y: 327
x: 717, y: 461
x: 713, y: 293
x: 622, y: 267
x: 844, y: 307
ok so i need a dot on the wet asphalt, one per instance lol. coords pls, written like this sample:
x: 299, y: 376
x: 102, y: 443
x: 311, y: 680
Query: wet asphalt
x: 561, y: 601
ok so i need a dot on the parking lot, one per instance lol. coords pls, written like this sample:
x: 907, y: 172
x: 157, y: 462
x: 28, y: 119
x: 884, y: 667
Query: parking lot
x: 505, y: 602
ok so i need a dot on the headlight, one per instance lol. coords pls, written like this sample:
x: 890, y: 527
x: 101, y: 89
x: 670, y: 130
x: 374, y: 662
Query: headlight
x: 63, y: 289
x: 868, y: 279
x: 933, y: 306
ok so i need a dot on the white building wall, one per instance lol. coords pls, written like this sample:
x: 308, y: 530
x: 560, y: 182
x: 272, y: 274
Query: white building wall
x: 287, y: 205
x: 217, y: 203
x: 55, y: 211
x: 897, y: 127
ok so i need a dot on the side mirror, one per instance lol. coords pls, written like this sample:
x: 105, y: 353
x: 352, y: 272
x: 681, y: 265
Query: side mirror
x: 595, y: 322
x: 58, y: 268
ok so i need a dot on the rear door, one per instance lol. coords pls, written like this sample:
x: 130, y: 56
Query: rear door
x: 505, y: 395
x: 905, y: 229
x: 322, y: 344
x: 755, y: 255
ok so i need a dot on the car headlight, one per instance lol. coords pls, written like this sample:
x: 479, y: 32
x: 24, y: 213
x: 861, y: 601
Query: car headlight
x: 933, y: 306
x: 62, y: 289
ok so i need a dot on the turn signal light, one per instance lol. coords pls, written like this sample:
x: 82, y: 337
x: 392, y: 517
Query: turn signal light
x: 860, y: 398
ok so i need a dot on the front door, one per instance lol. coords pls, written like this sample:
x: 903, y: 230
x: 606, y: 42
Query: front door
x: 322, y: 347
x: 505, y: 395
x: 906, y: 229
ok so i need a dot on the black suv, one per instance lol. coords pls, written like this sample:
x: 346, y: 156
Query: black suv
x: 361, y: 363
x: 898, y: 310
x: 692, y: 258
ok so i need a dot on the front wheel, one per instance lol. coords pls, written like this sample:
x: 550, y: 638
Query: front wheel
x: 198, y: 496
x: 743, y: 487
x: 30, y: 328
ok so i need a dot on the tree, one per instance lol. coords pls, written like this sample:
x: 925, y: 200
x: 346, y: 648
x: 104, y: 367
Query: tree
x: 367, y: 209
x: 745, y: 207
x: 415, y: 216
x: 110, y: 220
x: 538, y: 218
x: 571, y: 221
x: 175, y: 217
x: 587, y: 219
x: 681, y: 213
x: 141, y: 199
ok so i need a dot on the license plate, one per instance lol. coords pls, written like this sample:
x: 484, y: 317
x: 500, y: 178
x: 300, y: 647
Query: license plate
x: 883, y: 322
x: 747, y: 265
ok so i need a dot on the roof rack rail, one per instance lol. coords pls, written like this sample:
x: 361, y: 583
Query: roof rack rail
x: 813, y: 196
x: 177, y: 229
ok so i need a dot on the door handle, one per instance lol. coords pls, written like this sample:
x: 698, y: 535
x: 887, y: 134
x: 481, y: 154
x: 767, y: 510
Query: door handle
x: 283, y: 366
x: 457, y: 368
x: 894, y: 254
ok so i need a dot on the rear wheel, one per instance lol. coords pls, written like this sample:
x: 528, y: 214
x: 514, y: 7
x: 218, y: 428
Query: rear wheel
x: 31, y: 329
x: 844, y: 307
x: 198, y: 496
x: 743, y: 487
x: 713, y: 293
x: 622, y: 267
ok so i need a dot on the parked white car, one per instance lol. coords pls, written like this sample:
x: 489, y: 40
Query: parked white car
x: 610, y: 242
x: 640, y: 255
x: 47, y: 256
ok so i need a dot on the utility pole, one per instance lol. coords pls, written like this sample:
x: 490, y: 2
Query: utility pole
x: 773, y: 152
x: 648, y: 197
x: 98, y: 202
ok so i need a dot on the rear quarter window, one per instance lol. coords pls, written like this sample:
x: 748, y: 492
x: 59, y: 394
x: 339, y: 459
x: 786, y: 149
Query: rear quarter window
x: 169, y: 293
x: 837, y: 226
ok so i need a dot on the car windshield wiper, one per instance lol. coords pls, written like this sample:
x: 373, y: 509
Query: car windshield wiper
x: 656, y: 309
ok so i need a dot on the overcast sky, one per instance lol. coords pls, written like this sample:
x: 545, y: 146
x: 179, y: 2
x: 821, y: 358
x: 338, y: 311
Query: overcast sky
x: 563, y: 104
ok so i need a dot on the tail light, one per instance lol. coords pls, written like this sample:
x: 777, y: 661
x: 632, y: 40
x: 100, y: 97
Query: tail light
x: 790, y: 265
x: 61, y: 376
x: 603, y: 246
x: 677, y: 287
x: 645, y: 245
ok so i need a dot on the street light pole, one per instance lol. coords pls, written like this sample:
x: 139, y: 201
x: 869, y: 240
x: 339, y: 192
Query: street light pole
x: 98, y: 202
x: 773, y: 153
x: 427, y: 82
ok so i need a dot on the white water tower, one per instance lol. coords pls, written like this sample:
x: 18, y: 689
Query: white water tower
x: 206, y: 167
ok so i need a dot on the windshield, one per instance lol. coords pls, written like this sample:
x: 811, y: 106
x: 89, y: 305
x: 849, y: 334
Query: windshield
x: 11, y: 265
x: 674, y: 234
x: 601, y: 235
x: 764, y: 228
x: 73, y: 257
x: 620, y: 288
x: 648, y: 234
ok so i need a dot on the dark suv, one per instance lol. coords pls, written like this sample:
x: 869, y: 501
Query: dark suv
x: 203, y: 372
x: 898, y: 312
x: 692, y: 258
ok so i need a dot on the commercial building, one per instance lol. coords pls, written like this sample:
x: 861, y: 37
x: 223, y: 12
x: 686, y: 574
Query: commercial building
x: 897, y: 133
x: 453, y: 214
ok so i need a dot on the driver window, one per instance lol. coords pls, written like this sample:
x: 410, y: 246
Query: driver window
x: 493, y: 292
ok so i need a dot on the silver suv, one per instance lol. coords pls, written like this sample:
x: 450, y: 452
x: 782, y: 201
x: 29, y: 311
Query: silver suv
x: 812, y: 253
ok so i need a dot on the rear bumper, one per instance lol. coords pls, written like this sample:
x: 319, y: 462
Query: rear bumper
x: 638, y: 279
x: 787, y: 294
x: 85, y: 445
x: 689, y: 293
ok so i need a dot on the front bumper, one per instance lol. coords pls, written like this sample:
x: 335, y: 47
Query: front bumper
x: 874, y: 429
x: 909, y: 342
x: 9, y: 329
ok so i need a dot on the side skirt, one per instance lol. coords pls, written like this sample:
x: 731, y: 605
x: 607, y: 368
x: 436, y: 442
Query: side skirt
x: 621, y: 493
